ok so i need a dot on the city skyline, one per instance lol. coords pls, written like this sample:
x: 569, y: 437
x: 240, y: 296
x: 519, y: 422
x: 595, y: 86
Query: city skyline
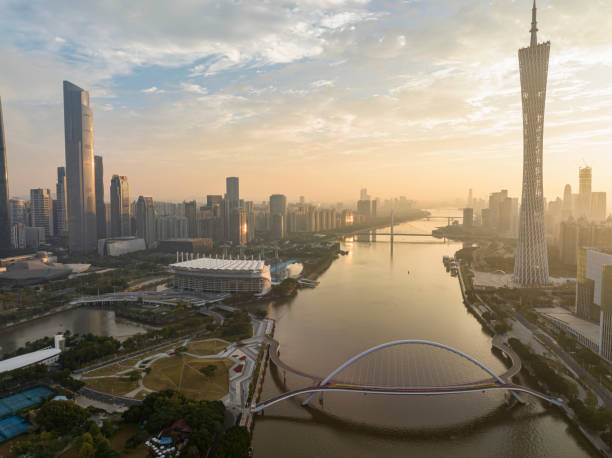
x: 200, y: 115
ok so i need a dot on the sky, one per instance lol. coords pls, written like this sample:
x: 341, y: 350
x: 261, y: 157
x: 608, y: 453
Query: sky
x: 313, y: 97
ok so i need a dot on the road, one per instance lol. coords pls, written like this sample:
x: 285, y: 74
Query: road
x: 568, y: 360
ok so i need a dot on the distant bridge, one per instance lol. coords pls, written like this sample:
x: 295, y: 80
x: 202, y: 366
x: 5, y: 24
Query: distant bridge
x: 400, y: 386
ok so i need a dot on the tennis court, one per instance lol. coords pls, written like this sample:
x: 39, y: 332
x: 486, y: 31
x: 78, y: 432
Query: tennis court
x: 10, y: 405
x: 12, y: 426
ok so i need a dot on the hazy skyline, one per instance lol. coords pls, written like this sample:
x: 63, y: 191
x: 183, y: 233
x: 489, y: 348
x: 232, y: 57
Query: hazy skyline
x: 315, y: 98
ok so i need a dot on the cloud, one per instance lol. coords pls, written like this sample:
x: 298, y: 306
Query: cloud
x: 152, y: 90
x: 194, y: 88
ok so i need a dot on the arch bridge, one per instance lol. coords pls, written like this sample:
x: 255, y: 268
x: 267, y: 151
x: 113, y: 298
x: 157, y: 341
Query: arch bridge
x: 361, y: 373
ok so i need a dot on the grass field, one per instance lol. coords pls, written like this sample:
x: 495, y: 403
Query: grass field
x: 182, y: 373
x: 206, y: 347
x: 112, y: 369
x: 112, y: 385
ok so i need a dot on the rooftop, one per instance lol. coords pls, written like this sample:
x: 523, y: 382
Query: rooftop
x: 584, y: 327
x: 221, y: 264
x: 28, y: 359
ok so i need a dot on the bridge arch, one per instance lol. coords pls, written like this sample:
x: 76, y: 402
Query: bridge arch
x: 406, y: 342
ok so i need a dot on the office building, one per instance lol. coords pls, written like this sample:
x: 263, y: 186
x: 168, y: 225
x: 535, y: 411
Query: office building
x: 145, y: 220
x: 5, y: 222
x: 213, y: 200
x: 594, y: 293
x: 364, y: 207
x: 531, y: 259
x: 232, y: 186
x: 222, y: 275
x: 191, y: 213
x: 100, y: 205
x: 41, y: 210
x: 598, y: 206
x: 171, y: 227
x: 238, y: 226
x: 278, y: 216
x: 468, y: 217
x: 80, y: 183
x: 118, y: 246
x: 585, y: 177
x: 17, y: 211
x: 60, y: 213
x: 121, y: 224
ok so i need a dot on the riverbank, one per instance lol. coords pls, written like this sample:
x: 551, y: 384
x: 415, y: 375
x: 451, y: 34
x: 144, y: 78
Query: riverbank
x: 54, y: 311
x: 592, y: 438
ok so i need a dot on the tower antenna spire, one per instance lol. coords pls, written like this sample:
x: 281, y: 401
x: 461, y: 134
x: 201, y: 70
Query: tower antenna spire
x: 534, y: 25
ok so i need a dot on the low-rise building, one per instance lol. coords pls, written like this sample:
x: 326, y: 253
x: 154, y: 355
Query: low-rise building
x: 222, y: 275
x: 120, y: 245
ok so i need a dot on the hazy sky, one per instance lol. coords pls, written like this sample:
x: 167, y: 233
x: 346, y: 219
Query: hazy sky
x: 312, y: 97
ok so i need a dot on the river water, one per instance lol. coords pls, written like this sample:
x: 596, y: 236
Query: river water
x: 81, y: 320
x: 377, y: 294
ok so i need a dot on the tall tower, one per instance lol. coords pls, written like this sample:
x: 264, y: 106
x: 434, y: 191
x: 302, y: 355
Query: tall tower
x: 100, y: 206
x: 531, y: 260
x: 80, y: 188
x: 120, y: 207
x: 60, y: 213
x: 5, y: 223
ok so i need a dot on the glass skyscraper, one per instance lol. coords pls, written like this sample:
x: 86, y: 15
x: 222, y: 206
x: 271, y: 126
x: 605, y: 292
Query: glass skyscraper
x: 80, y: 182
x: 5, y: 222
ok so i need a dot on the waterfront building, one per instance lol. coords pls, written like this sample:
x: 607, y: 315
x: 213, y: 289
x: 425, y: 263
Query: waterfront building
x: 80, y: 183
x: 531, y: 259
x: 222, y: 275
x: 145, y: 220
x: 120, y: 207
x: 364, y: 207
x: 41, y: 210
x: 468, y: 217
x: 5, y: 221
x: 595, y: 272
x: 100, y: 205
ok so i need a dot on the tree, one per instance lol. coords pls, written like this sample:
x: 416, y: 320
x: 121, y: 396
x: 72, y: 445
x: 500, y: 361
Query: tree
x: 234, y: 443
x: 61, y: 416
x: 209, y: 371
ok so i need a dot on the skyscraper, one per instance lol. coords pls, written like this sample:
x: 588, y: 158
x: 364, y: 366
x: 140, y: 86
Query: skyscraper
x: 232, y: 187
x: 120, y: 207
x: 80, y: 189
x: 191, y: 213
x: 100, y: 206
x: 60, y: 214
x: 5, y: 221
x: 41, y: 208
x: 531, y: 260
x: 145, y: 220
x: 278, y: 216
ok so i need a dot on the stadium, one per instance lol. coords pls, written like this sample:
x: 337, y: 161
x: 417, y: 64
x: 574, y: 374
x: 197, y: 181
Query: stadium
x: 222, y: 275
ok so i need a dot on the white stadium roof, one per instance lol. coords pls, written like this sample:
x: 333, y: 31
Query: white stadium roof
x: 221, y: 264
x: 28, y: 359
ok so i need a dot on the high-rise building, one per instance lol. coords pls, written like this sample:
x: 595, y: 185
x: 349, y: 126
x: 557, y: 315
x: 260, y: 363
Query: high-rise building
x: 100, y: 206
x: 598, y: 206
x: 145, y: 220
x: 120, y: 207
x: 468, y: 217
x: 238, y: 225
x: 278, y: 216
x: 585, y: 175
x: 531, y: 260
x: 60, y: 213
x: 17, y: 211
x: 191, y: 212
x: 364, y: 207
x: 363, y: 194
x: 5, y: 222
x: 41, y: 209
x: 567, y: 202
x: 213, y: 199
x: 232, y: 186
x: 80, y: 183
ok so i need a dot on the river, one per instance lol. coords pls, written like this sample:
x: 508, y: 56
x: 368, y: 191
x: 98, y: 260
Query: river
x: 377, y: 294
x: 80, y: 320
